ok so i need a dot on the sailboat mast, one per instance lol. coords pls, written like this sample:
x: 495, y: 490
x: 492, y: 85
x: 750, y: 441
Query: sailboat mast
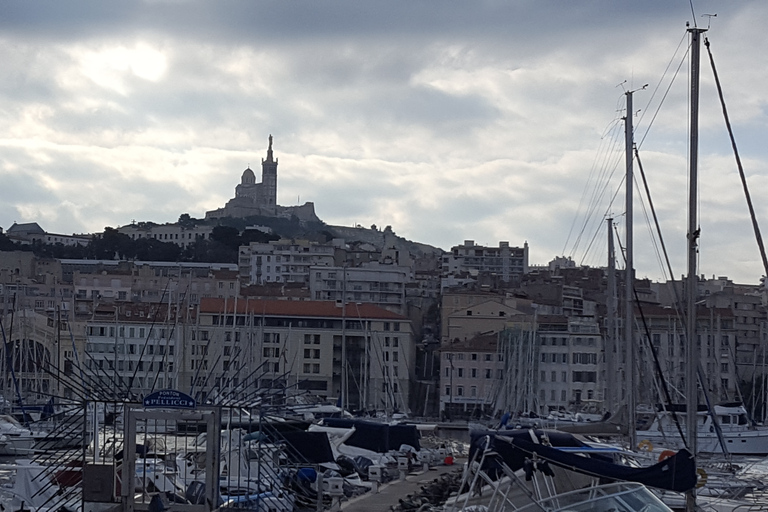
x: 691, y: 389
x: 610, y: 338
x: 629, y: 279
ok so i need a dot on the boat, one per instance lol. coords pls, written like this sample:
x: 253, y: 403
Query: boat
x: 17, y: 439
x: 740, y: 435
x: 528, y: 469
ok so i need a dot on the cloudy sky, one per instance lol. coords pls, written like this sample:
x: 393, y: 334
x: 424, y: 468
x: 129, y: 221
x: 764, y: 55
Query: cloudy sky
x: 448, y: 120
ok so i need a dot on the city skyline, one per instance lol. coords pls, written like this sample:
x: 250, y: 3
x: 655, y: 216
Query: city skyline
x: 450, y: 124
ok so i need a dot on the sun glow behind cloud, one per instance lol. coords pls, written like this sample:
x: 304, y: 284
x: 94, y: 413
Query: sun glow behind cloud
x: 480, y: 124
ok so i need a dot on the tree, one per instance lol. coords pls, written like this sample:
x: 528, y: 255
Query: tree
x: 186, y: 222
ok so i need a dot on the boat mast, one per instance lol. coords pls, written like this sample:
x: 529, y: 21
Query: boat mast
x: 610, y: 339
x: 691, y: 389
x: 629, y: 278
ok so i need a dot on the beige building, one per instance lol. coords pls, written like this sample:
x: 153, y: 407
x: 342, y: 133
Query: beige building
x: 471, y: 377
x: 465, y: 314
x: 241, y: 346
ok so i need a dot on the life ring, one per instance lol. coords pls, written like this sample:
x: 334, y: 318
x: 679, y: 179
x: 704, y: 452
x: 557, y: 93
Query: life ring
x: 702, y: 480
x: 645, y: 446
x: 665, y: 455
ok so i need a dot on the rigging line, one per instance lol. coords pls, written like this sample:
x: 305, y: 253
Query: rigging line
x: 605, y: 215
x: 693, y: 14
x: 586, y: 184
x: 661, y: 80
x: 743, y: 177
x: 599, y: 163
x: 596, y: 200
x: 666, y: 93
x: 655, y: 217
x: 599, y: 191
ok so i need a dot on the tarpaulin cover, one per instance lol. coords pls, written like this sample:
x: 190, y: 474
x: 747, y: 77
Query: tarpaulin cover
x: 403, y: 434
x: 368, y: 434
x: 307, y: 447
x: 677, y: 473
x: 396, y: 435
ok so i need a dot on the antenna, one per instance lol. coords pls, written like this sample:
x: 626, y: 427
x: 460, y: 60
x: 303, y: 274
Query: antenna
x: 709, y: 19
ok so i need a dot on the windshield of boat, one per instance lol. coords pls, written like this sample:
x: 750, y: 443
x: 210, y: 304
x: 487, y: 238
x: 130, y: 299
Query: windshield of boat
x: 616, y: 497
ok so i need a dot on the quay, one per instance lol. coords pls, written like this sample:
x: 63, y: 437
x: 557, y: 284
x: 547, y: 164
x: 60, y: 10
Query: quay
x: 390, y: 493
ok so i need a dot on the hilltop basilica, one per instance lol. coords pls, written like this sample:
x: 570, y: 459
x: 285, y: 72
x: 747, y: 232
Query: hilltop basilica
x: 253, y: 198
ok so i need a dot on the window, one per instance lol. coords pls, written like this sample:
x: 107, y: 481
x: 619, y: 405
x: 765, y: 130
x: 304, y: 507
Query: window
x: 543, y: 376
x: 460, y: 391
x: 487, y: 357
x: 461, y: 372
x: 447, y: 371
x: 447, y: 390
x: 488, y: 373
x: 474, y: 357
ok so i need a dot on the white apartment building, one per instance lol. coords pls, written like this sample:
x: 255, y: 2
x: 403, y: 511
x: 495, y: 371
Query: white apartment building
x: 471, y: 376
x: 383, y: 285
x: 132, y: 349
x: 173, y: 233
x: 506, y: 262
x: 282, y: 261
x: 239, y: 346
x: 569, y: 363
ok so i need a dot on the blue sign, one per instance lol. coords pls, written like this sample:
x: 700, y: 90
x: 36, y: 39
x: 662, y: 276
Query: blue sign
x: 169, y: 399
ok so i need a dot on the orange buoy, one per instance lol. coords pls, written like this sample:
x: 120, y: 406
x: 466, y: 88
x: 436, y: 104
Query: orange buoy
x: 665, y: 455
x: 448, y: 461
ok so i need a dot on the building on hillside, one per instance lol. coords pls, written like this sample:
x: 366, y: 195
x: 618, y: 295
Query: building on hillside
x: 282, y: 261
x: 471, y: 376
x: 181, y: 235
x: 465, y: 313
x: 298, y: 347
x: 508, y: 264
x: 383, y: 285
x: 32, y: 232
x: 260, y: 199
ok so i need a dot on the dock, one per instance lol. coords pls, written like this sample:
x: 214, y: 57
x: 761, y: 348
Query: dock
x: 391, y: 492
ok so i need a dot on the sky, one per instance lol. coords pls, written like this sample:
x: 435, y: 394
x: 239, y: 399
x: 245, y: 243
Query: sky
x: 447, y: 120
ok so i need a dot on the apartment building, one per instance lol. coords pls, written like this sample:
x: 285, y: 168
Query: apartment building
x: 383, y: 285
x: 132, y: 349
x: 360, y: 353
x: 282, y: 261
x: 471, y: 377
x: 506, y: 262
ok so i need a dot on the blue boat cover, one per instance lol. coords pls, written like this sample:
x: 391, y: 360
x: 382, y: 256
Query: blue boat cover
x: 307, y: 447
x: 377, y: 437
x: 676, y: 473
